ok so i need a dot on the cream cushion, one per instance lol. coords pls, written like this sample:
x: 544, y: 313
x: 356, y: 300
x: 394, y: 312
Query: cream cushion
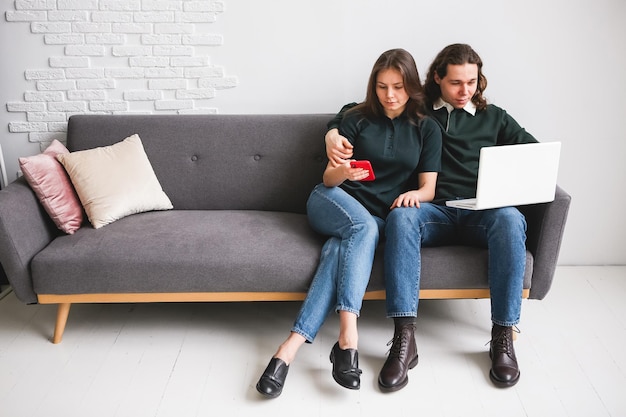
x: 115, y: 181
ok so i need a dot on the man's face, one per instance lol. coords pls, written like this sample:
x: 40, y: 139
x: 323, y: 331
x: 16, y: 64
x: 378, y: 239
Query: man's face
x: 459, y: 85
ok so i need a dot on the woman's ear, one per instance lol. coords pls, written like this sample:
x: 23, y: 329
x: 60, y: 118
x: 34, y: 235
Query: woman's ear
x: 437, y: 79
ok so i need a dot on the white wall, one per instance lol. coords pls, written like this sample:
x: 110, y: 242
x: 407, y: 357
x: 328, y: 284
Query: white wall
x: 557, y: 66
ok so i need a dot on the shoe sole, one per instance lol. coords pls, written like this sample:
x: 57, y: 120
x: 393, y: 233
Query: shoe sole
x: 265, y: 394
x: 499, y: 383
x: 405, y: 381
x: 346, y: 386
x: 393, y: 388
x: 503, y: 384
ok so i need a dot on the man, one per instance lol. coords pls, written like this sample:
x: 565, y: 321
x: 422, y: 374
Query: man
x: 454, y: 87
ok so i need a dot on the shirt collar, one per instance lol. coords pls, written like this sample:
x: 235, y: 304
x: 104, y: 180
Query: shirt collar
x: 469, y: 107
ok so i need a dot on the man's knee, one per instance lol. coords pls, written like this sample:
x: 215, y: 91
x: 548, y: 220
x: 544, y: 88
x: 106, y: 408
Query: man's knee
x: 402, y: 220
x: 398, y: 215
x: 509, y: 218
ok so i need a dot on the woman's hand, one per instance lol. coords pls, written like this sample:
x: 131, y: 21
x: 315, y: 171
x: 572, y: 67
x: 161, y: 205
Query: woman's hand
x: 425, y: 193
x: 335, y: 175
x: 356, y: 174
x: 408, y: 199
x: 338, y: 148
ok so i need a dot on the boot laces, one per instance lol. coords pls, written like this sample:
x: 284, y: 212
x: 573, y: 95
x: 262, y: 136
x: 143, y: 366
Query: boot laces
x: 399, y: 344
x: 502, y: 342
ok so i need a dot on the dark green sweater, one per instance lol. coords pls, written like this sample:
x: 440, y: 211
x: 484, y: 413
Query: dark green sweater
x: 462, y: 141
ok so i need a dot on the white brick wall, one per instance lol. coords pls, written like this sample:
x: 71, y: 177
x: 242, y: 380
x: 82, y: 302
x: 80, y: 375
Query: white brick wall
x: 119, y: 56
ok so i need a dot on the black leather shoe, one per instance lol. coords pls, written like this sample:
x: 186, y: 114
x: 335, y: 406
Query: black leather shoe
x: 504, y: 370
x: 346, y: 370
x: 272, y: 381
x: 402, y: 357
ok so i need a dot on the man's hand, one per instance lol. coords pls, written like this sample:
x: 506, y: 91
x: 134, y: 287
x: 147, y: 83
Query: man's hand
x: 338, y: 148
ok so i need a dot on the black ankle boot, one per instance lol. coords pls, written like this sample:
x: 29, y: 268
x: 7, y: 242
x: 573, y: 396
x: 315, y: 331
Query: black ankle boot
x: 346, y: 370
x: 504, y: 369
x: 272, y: 381
x: 402, y: 357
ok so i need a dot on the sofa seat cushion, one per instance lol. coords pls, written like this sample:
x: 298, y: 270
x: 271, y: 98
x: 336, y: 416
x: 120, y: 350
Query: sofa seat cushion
x: 183, y: 251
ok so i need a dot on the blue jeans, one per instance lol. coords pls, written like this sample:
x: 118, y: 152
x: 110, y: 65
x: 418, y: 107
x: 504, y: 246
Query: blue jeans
x: 346, y: 259
x: 502, y: 231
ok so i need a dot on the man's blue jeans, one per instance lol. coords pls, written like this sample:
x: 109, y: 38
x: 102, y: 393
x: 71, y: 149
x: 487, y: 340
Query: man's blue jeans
x: 502, y: 231
x: 346, y: 259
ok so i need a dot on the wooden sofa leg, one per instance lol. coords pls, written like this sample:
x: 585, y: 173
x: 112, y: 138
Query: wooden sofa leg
x: 63, y: 312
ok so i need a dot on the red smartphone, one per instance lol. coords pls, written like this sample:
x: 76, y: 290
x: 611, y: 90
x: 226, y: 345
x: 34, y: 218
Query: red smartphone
x: 365, y: 165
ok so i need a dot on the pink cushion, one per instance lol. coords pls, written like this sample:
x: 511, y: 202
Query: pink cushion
x: 48, y: 179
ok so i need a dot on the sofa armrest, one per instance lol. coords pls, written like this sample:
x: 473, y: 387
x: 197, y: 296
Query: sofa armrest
x: 25, y: 229
x: 546, y: 224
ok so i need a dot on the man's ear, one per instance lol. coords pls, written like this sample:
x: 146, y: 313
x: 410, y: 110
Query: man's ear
x: 437, y: 79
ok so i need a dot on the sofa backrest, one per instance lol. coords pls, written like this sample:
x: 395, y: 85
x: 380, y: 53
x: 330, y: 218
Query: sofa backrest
x: 214, y: 162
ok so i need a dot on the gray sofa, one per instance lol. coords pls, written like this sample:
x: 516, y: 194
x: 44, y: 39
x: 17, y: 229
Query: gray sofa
x: 238, y: 230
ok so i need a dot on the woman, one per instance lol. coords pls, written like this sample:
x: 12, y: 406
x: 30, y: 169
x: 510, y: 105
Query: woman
x: 388, y: 129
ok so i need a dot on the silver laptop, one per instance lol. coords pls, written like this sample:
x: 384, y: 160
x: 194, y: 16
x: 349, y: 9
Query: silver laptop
x: 514, y: 175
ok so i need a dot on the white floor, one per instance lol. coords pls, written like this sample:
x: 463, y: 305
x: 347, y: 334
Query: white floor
x: 204, y: 359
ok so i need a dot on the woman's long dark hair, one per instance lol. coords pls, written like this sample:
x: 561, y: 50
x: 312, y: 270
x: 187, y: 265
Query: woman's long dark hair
x: 402, y: 61
x: 455, y: 54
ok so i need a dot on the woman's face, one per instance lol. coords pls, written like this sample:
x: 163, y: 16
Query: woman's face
x: 390, y: 92
x: 459, y: 85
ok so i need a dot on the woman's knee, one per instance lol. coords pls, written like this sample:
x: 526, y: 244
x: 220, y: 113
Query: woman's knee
x: 368, y: 228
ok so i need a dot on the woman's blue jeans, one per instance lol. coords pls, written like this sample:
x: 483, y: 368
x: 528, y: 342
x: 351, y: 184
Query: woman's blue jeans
x: 346, y: 260
x: 502, y: 231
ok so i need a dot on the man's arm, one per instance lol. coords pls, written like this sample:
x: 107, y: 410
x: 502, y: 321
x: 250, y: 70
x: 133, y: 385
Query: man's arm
x: 338, y: 148
x: 512, y: 133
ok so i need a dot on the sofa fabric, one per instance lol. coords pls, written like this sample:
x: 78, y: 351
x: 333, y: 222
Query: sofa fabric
x: 221, y: 162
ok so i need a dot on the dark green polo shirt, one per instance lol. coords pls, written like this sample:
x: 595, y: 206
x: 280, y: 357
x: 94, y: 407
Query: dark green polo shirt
x: 397, y: 149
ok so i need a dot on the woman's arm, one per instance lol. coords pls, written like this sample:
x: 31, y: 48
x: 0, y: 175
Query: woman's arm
x: 424, y: 193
